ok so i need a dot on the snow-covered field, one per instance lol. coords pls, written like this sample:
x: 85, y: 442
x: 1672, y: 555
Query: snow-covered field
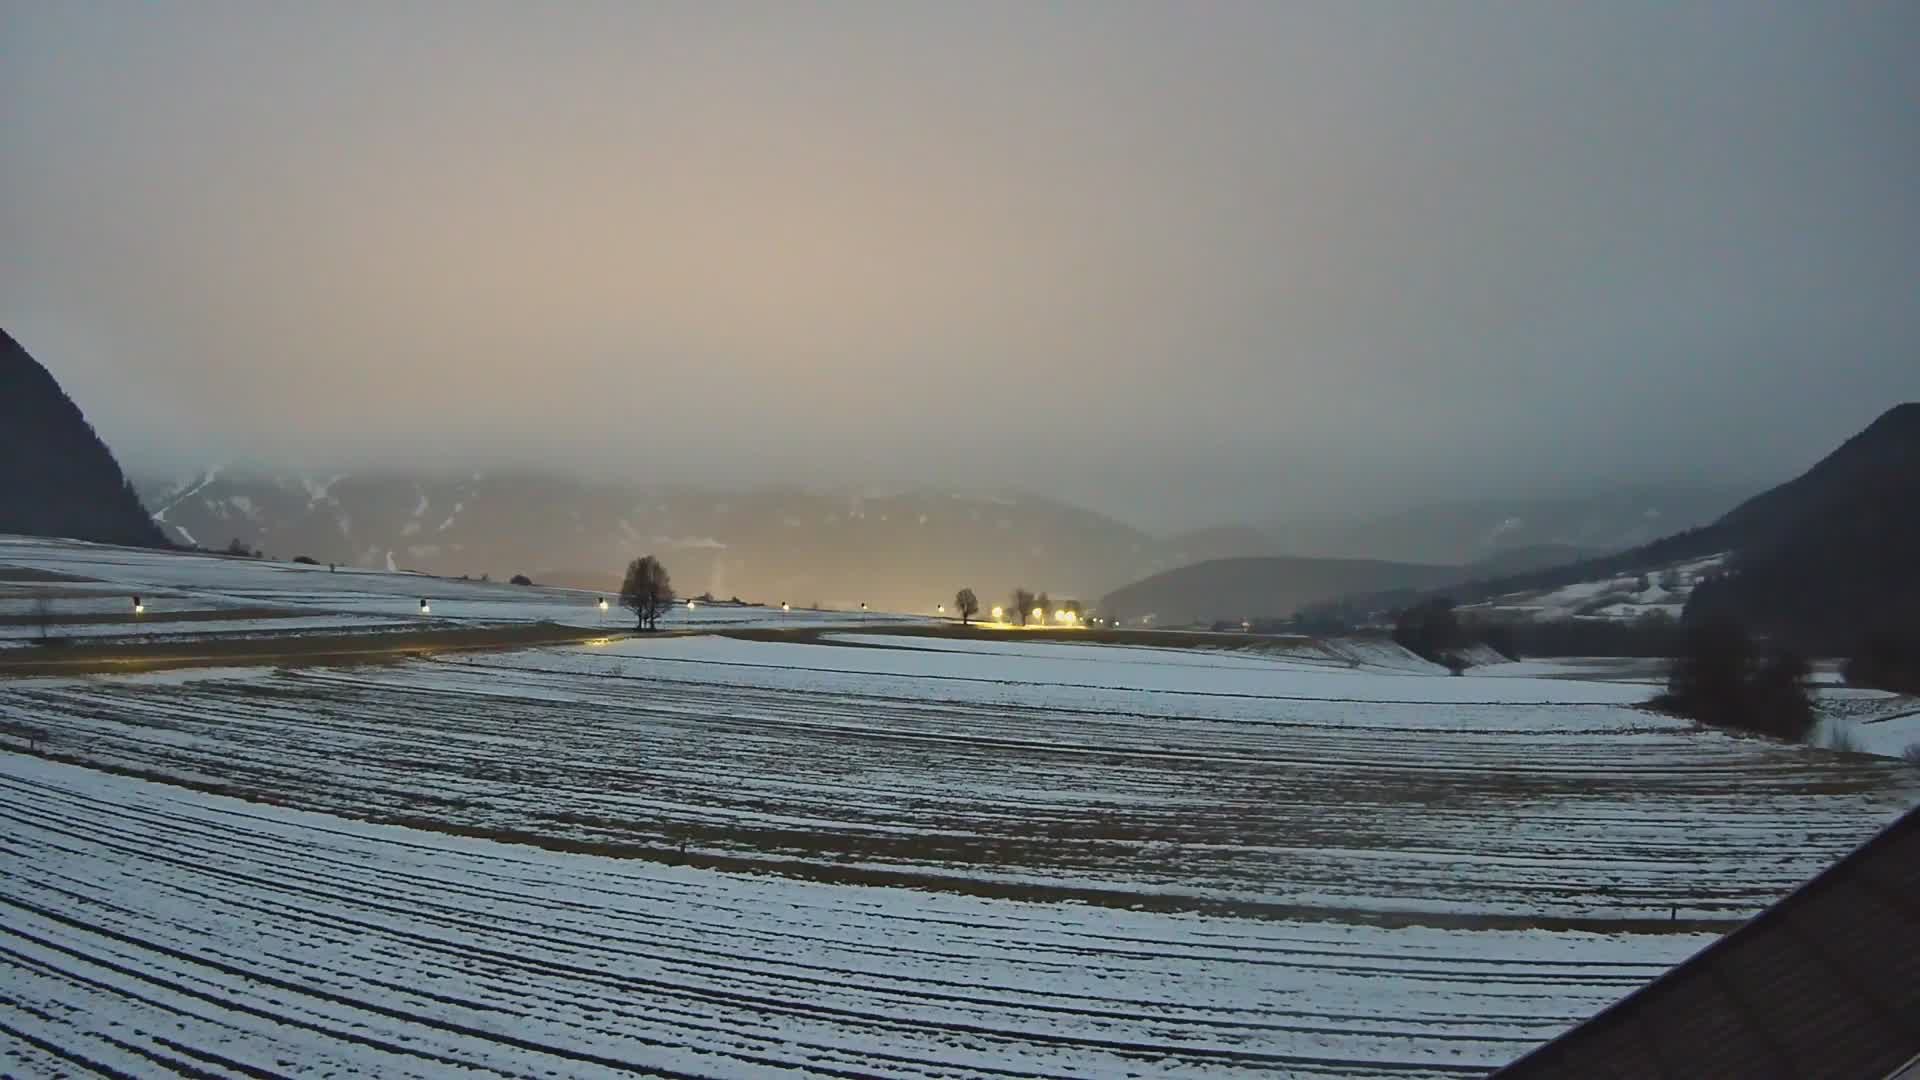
x: 861, y: 853
x: 1201, y: 779
x: 151, y: 930
x: 184, y: 596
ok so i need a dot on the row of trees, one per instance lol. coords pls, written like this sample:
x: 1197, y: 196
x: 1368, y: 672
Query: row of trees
x: 1025, y: 602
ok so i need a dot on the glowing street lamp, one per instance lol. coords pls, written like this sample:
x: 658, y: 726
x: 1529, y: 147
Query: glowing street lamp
x: 138, y: 607
x: 1040, y: 615
x: 603, y: 605
x: 940, y: 609
x: 424, y: 608
x: 997, y: 613
x: 692, y: 604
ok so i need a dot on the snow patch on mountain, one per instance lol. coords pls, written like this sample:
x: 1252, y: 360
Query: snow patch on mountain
x: 320, y: 491
x: 1625, y: 597
x: 211, y: 475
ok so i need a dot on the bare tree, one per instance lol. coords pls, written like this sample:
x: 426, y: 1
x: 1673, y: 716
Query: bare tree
x: 1045, y: 604
x: 967, y: 604
x: 1022, y: 603
x: 647, y: 591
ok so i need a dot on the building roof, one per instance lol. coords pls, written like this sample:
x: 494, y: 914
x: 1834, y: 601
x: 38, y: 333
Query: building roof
x: 1824, y: 983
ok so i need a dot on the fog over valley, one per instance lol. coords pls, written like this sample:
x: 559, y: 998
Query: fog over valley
x: 1277, y: 263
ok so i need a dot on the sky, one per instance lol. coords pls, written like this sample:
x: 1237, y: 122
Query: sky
x: 1181, y: 262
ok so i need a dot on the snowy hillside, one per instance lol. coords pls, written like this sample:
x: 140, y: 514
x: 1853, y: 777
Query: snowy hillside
x: 1660, y: 591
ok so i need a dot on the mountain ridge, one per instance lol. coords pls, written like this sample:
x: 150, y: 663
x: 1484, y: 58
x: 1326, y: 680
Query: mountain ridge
x: 57, y: 476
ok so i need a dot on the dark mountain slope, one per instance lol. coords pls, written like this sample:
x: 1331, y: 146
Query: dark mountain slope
x: 1833, y: 557
x: 1882, y: 462
x: 56, y: 477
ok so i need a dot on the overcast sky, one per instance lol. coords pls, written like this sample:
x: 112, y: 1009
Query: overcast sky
x: 1174, y: 261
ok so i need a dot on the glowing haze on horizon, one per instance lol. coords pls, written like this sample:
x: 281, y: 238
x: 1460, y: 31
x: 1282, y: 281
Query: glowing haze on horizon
x: 1178, y: 262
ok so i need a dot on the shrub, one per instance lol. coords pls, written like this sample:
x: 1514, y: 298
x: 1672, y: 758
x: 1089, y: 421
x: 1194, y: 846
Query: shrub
x: 1430, y: 630
x: 306, y: 560
x: 520, y: 579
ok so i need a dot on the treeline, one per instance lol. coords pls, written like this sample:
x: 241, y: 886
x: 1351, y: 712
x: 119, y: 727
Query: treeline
x: 1654, y: 634
x: 1723, y: 677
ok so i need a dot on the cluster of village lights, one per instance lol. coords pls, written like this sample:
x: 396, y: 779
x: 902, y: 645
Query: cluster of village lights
x: 1061, y: 617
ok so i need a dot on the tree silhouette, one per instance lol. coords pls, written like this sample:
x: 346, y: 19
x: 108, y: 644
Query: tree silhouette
x: 647, y: 591
x: 967, y: 604
x: 1022, y: 603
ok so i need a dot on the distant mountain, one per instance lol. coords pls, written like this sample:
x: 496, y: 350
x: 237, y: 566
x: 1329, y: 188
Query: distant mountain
x: 1219, y: 542
x: 1234, y: 572
x: 1234, y: 589
x: 1819, y: 561
x: 1520, y: 560
x: 1473, y: 531
x: 56, y: 477
x: 902, y: 551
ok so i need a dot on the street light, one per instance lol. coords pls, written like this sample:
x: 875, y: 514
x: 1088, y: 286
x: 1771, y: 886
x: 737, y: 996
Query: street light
x: 940, y: 609
x: 424, y: 609
x: 603, y: 605
x: 996, y: 613
x: 138, y: 607
x: 1040, y: 615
